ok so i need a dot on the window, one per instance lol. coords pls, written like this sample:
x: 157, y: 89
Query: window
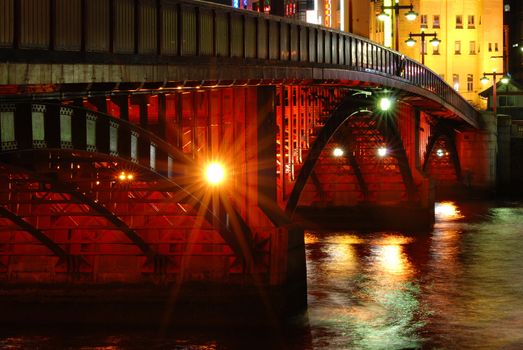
x: 435, y: 21
x: 457, y: 47
x: 435, y: 50
x: 459, y: 21
x: 489, y: 47
x: 423, y: 21
x: 472, y: 48
x: 470, y: 82
x: 507, y: 101
x: 495, y: 46
x: 455, y: 81
x: 470, y: 21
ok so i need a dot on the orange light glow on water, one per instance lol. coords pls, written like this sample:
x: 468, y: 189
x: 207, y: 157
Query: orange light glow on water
x: 310, y: 238
x: 390, y: 257
x: 447, y: 211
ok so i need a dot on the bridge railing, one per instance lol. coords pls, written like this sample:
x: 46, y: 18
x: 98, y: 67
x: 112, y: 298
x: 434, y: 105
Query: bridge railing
x: 160, y: 31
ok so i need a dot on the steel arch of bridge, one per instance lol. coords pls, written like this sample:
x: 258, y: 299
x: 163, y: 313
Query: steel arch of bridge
x: 94, y: 139
x: 349, y: 108
x: 443, y: 137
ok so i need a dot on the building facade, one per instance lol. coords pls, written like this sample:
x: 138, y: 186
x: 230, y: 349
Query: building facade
x: 471, y: 34
x: 473, y: 39
x: 513, y: 10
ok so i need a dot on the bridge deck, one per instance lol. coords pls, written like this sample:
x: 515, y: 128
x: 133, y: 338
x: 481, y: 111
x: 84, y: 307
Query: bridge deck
x: 128, y: 45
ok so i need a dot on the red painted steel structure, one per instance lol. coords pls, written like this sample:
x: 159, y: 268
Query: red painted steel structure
x: 62, y: 191
x: 160, y: 88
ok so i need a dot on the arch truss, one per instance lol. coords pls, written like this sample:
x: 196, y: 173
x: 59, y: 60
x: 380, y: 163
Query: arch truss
x: 101, y: 196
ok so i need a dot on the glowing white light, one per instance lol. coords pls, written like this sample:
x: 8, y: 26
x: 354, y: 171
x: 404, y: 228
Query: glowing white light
x: 215, y: 173
x: 410, y: 42
x: 505, y: 80
x: 385, y: 103
x: 383, y: 16
x: 382, y: 151
x: 411, y: 15
x: 440, y: 152
x: 337, y: 152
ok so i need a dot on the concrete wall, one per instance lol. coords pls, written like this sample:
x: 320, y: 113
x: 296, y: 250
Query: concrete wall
x: 477, y: 153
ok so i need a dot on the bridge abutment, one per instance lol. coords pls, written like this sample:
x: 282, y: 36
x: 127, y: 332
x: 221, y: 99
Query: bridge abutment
x: 478, y: 150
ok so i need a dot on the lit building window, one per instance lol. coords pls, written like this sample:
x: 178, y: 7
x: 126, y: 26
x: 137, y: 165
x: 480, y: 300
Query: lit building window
x: 435, y: 50
x: 507, y: 101
x: 472, y: 48
x: 423, y: 21
x: 328, y: 13
x: 459, y: 21
x: 495, y: 46
x: 470, y: 82
x: 489, y: 47
x: 457, y: 47
x: 470, y: 21
x: 435, y: 21
x: 455, y: 81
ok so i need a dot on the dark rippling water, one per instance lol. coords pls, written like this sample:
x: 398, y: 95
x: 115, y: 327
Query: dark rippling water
x: 457, y: 287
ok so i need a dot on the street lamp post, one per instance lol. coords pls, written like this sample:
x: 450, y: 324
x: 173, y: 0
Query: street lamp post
x: 504, y: 79
x: 435, y: 42
x: 410, y: 15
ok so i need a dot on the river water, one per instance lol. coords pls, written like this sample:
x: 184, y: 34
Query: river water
x: 457, y: 287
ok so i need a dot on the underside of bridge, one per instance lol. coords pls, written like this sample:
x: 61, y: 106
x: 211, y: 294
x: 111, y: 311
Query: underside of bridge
x: 110, y: 189
x: 110, y: 112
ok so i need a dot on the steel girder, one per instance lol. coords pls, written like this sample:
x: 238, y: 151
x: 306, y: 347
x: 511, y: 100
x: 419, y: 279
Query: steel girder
x: 239, y: 241
x: 444, y: 136
x: 348, y: 107
x: 383, y: 128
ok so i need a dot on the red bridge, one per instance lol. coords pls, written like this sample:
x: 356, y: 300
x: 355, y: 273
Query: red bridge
x: 111, y: 110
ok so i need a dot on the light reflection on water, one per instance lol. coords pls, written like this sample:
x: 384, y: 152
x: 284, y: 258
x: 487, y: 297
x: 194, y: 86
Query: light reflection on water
x: 373, y: 302
x: 457, y: 287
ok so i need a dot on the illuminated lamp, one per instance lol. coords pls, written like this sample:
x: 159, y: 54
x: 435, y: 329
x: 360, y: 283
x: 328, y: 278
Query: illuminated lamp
x: 382, y: 152
x: 337, y: 152
x: 385, y: 103
x: 411, y: 15
x: 215, y: 173
x: 410, y: 41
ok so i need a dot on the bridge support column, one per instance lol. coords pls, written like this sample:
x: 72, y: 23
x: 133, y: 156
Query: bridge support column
x: 478, y: 152
x: 287, y: 251
x: 503, y: 158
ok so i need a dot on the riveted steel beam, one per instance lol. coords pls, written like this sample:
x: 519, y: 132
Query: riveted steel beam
x: 443, y: 130
x: 349, y: 106
x: 390, y: 132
